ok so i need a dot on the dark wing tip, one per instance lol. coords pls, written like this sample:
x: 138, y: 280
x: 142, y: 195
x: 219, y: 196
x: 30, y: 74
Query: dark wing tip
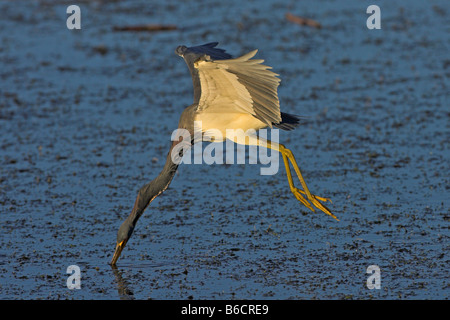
x: 207, y: 48
x: 288, y: 121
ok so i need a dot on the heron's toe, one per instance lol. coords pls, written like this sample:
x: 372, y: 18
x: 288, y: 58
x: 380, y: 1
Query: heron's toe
x: 323, y: 208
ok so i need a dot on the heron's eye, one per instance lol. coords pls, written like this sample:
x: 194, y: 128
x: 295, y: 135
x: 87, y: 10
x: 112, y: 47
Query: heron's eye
x: 180, y: 50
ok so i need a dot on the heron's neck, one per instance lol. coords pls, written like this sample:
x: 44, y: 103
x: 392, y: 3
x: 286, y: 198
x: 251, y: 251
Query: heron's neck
x: 154, y: 188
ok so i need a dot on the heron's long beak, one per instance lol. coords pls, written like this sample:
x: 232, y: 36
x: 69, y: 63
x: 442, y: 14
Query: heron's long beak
x: 117, y: 252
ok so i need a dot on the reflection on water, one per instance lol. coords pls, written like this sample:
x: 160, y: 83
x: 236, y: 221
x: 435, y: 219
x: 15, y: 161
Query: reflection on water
x: 122, y: 286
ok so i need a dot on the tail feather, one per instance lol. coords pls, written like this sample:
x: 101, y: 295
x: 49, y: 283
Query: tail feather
x: 288, y: 121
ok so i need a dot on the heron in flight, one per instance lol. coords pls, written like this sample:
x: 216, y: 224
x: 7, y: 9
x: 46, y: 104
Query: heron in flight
x: 229, y: 93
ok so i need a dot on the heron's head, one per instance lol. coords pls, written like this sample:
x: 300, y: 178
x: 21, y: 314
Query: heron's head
x: 124, y: 233
x: 180, y: 50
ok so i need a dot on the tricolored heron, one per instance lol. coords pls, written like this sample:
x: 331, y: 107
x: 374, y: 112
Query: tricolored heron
x: 229, y: 93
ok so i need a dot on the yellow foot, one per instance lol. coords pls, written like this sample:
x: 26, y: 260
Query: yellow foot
x: 317, y: 197
x: 314, y: 200
x: 297, y: 194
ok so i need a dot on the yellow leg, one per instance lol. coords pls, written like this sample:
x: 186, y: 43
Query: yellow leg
x: 291, y: 183
x: 288, y: 156
x: 294, y: 190
x: 286, y: 153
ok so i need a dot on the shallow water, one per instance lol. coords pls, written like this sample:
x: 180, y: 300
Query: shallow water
x: 85, y: 121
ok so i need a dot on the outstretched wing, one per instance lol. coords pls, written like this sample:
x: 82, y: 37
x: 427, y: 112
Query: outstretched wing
x: 224, y: 84
x: 241, y: 85
x: 192, y: 54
